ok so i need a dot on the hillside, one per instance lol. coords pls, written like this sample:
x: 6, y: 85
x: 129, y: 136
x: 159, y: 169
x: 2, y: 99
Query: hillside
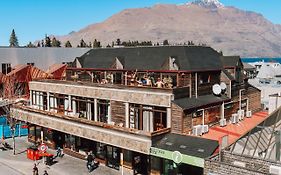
x: 234, y: 31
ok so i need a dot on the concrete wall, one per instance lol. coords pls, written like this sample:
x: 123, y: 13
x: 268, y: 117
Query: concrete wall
x: 138, y: 96
x: 103, y: 133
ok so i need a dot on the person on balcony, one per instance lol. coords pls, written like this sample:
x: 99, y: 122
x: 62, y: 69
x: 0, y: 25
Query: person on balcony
x: 159, y: 83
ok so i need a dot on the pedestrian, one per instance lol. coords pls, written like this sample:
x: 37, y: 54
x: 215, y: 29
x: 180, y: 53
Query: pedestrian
x: 45, y: 172
x: 35, y: 170
x: 59, y: 152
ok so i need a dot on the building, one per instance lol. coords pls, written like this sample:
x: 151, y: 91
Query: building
x: 256, y: 153
x: 148, y: 107
x: 41, y: 57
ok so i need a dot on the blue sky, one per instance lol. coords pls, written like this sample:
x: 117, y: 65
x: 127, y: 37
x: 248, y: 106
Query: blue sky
x: 32, y: 19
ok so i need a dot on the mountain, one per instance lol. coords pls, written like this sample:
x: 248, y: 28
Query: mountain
x: 233, y: 31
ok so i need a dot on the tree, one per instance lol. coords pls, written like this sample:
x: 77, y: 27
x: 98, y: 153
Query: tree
x: 30, y: 45
x: 82, y: 43
x: 13, y: 39
x: 96, y: 44
x: 118, y: 42
x: 47, y: 41
x: 67, y: 44
x: 55, y: 42
x: 165, y: 42
x: 38, y: 44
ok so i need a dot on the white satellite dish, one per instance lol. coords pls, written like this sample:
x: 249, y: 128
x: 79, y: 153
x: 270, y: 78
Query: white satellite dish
x: 223, y: 86
x: 217, y: 89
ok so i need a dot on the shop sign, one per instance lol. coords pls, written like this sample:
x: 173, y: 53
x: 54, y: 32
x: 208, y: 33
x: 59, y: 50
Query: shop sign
x: 177, y: 157
x: 43, y: 147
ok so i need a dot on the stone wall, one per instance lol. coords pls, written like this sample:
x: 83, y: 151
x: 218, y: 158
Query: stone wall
x: 102, y: 133
x: 177, y: 119
x: 131, y: 95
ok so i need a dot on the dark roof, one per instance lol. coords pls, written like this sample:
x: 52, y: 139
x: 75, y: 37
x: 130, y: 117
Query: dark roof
x: 231, y: 61
x: 188, y: 145
x: 190, y: 58
x: 200, y: 101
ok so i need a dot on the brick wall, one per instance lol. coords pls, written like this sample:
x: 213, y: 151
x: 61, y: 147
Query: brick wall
x: 177, y: 119
x: 187, y: 123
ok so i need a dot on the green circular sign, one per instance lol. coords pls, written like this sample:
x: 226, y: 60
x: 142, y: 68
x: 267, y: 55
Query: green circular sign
x: 177, y: 157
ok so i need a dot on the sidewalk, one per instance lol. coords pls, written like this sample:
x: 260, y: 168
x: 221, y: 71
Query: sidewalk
x: 20, y: 165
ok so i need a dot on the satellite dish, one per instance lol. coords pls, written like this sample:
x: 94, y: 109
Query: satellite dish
x: 223, y: 86
x: 217, y: 89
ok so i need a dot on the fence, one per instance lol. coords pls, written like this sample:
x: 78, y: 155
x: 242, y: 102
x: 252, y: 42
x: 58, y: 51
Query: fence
x: 5, y: 130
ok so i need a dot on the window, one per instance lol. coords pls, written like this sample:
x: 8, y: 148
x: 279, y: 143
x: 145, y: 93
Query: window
x: 6, y: 68
x: 103, y: 110
x: 204, y: 78
x: 30, y: 64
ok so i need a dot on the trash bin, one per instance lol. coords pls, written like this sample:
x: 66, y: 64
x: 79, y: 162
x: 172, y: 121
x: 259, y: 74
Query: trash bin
x: 32, y: 153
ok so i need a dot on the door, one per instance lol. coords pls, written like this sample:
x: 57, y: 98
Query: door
x: 113, y: 157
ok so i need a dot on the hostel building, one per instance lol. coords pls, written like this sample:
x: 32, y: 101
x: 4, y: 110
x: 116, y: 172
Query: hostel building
x: 146, y: 107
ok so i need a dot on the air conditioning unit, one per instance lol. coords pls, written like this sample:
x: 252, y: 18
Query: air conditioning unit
x: 222, y: 122
x: 234, y: 118
x: 241, y: 114
x: 197, y: 130
x: 275, y: 170
x: 249, y: 114
x: 240, y: 164
x: 205, y: 128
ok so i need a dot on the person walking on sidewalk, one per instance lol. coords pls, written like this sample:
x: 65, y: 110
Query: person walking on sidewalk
x: 35, y: 170
x: 45, y: 172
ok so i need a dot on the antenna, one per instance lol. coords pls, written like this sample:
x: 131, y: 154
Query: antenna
x: 217, y: 89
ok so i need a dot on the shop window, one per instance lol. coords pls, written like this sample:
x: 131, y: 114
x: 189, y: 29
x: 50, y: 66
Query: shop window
x: 127, y: 158
x: 101, y: 151
x: 48, y: 135
x: 38, y: 134
x: 70, y: 142
x: 31, y: 134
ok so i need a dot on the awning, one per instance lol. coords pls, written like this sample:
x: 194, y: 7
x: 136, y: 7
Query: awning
x: 200, y: 101
x: 183, y: 149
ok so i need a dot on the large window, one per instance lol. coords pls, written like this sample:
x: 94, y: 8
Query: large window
x: 103, y: 110
x: 147, y: 118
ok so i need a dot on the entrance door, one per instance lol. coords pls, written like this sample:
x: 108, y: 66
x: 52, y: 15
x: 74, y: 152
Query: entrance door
x: 113, y: 157
x: 169, y: 167
x: 140, y: 164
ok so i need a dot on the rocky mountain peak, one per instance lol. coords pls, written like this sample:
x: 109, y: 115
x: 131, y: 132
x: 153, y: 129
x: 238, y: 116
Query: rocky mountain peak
x: 207, y: 3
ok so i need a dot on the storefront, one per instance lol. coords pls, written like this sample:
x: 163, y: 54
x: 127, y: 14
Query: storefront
x: 79, y: 147
x: 178, y: 154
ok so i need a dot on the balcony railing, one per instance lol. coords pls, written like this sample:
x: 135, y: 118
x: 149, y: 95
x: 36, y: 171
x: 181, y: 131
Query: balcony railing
x: 93, y: 123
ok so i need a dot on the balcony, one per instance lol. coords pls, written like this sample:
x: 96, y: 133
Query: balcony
x: 133, y: 139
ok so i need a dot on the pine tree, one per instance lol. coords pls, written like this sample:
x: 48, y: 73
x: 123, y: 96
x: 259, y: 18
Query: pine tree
x: 82, y: 43
x: 67, y: 44
x: 13, y: 39
x: 55, y: 42
x: 118, y: 41
x: 165, y: 42
x: 30, y: 45
x: 47, y: 41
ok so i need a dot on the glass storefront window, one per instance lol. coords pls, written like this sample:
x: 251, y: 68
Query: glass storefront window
x: 127, y: 157
x: 101, y: 151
